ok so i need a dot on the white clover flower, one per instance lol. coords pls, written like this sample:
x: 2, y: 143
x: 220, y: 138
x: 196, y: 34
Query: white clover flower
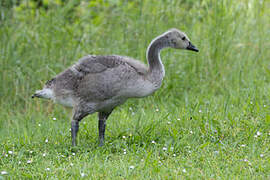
x: 164, y: 149
x: 200, y: 111
x: 125, y: 152
x: 73, y: 154
x: 10, y: 152
x: 157, y: 110
x: 48, y: 169
x: 124, y: 137
x: 259, y: 133
x: 261, y: 155
x: 44, y: 154
x: 82, y: 174
x: 153, y: 142
x: 19, y: 162
x: 54, y: 119
x: 46, y: 141
x: 29, y: 162
x: 71, y: 164
x: 30, y: 152
x: 174, y: 155
x: 39, y: 125
x: 4, y: 172
x: 131, y: 167
x: 191, y: 132
x: 184, y: 170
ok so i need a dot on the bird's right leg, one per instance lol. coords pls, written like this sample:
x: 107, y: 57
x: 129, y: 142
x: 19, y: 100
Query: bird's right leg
x: 78, y: 115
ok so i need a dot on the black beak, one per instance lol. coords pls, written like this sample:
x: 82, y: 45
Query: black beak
x: 192, y: 47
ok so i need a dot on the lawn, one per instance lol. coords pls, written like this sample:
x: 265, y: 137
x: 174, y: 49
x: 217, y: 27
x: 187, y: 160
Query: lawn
x: 209, y: 120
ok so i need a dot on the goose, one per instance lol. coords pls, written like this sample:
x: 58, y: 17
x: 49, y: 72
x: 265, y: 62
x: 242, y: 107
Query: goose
x: 98, y: 83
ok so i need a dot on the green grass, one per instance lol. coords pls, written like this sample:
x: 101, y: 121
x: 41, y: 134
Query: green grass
x: 207, y: 114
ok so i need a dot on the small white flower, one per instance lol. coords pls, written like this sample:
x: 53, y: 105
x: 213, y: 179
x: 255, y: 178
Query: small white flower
x: 46, y: 141
x: 73, y: 154
x: 184, y: 170
x: 4, y: 172
x: 251, y: 102
x: 30, y: 152
x: 171, y: 148
x: 189, y: 151
x: 6, y: 155
x: 169, y: 122
x: 130, y: 108
x: 43, y: 154
x: 71, y: 164
x: 264, y: 105
x: 153, y: 142
x: 142, y: 160
x: 157, y: 110
x: 243, y: 145
x: 200, y: 111
x: 164, y: 149
x: 216, y: 152
x: 255, y: 136
x: 10, y: 152
x: 39, y: 125
x: 19, y: 162
x: 259, y: 133
x: 82, y: 174
x: 245, y: 160
x: 48, y: 169
x: 54, y: 119
x: 133, y: 113
x: 124, y: 137
x: 174, y: 155
x: 29, y: 162
x: 178, y: 119
x: 191, y: 132
x: 131, y: 167
x: 261, y: 155
x: 125, y: 152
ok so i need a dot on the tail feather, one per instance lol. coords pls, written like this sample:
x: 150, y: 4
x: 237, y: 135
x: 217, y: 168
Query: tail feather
x: 44, y: 93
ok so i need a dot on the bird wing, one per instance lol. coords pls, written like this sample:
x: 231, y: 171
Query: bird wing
x: 103, y: 77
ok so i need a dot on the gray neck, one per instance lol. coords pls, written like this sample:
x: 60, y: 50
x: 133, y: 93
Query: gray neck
x: 156, y: 68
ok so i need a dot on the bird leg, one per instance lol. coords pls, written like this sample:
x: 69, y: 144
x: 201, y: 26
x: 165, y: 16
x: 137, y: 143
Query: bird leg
x: 74, y: 131
x: 101, y: 126
x: 78, y: 115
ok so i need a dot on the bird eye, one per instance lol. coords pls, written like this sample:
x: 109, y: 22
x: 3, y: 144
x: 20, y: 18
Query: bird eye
x: 183, y: 38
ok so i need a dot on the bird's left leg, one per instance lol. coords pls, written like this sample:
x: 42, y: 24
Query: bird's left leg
x: 102, y: 116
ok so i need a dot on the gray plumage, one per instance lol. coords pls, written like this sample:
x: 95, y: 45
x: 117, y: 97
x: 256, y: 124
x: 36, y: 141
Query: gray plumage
x: 100, y: 83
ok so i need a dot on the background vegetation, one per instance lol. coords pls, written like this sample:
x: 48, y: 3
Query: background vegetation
x: 210, y: 119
